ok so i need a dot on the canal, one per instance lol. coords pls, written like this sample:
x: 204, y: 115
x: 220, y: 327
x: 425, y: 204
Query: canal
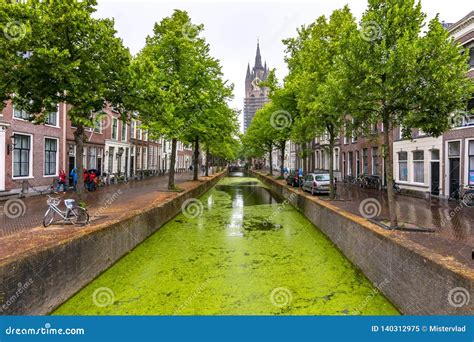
x: 237, y: 250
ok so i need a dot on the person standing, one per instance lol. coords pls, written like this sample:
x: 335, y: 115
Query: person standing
x: 62, y: 180
x: 73, y: 174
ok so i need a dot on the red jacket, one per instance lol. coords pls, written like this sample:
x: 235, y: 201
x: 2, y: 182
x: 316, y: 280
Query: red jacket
x: 62, y: 176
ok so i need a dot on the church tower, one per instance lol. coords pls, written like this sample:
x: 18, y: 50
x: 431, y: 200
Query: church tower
x: 255, y: 96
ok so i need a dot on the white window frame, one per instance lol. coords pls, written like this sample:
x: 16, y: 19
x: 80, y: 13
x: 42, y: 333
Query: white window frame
x: 57, y: 156
x: 418, y: 161
x: 57, y: 118
x: 30, y: 166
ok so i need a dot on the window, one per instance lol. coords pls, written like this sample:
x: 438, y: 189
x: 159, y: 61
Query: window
x: 124, y: 131
x: 21, y: 155
x: 336, y: 159
x: 132, y: 129
x: 454, y: 149
x: 92, y: 158
x: 403, y: 166
x: 52, y: 119
x: 20, y: 114
x: 471, y: 162
x: 434, y: 155
x: 114, y: 128
x: 365, y: 161
x: 419, y: 166
x: 375, y: 160
x: 50, y: 154
x: 111, y: 159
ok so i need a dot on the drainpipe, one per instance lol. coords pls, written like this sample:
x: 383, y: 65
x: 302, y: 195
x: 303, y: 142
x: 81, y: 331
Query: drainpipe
x: 65, y: 152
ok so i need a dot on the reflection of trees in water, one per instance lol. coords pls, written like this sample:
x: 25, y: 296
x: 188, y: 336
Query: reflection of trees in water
x: 249, y: 194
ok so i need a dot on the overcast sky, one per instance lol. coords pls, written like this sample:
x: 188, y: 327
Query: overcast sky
x: 233, y: 27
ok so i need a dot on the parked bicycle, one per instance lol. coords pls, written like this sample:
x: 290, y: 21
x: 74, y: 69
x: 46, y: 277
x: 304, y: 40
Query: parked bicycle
x: 73, y: 213
x: 467, y: 195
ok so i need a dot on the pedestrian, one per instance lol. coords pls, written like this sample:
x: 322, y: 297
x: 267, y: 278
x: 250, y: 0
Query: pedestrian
x: 73, y: 174
x: 61, y: 181
x: 203, y: 170
x: 92, y: 181
x: 86, y: 178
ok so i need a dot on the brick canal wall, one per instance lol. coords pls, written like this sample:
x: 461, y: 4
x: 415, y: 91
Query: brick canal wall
x: 41, y: 281
x: 416, y: 280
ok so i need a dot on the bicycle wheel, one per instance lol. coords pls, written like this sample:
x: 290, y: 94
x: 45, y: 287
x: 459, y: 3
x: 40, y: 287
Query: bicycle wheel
x: 468, y: 199
x: 79, y: 215
x: 48, y: 217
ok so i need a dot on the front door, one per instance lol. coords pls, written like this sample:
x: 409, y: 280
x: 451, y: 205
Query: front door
x: 2, y: 159
x: 435, y: 178
x: 454, y: 177
x: 71, y: 166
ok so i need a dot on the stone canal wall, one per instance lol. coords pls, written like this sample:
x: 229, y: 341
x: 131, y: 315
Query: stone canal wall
x: 416, y: 280
x: 42, y: 280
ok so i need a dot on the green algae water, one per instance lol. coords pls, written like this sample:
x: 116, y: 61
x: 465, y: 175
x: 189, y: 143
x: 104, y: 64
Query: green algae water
x: 237, y: 251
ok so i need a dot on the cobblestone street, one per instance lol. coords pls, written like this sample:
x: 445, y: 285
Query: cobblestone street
x: 32, y: 209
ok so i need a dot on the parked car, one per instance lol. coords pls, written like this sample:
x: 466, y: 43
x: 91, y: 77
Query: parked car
x: 316, y: 183
x: 293, y: 179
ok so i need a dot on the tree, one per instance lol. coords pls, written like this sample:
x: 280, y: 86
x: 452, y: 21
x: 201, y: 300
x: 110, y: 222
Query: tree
x: 400, y: 77
x: 172, y: 79
x: 320, y: 94
x: 68, y: 57
x: 283, y: 106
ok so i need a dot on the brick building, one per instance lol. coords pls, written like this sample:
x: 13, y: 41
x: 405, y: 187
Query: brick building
x: 458, y: 143
x: 30, y: 155
x: 362, y: 154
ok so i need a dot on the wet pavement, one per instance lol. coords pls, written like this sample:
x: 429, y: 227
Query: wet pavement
x: 22, y: 215
x: 452, y: 221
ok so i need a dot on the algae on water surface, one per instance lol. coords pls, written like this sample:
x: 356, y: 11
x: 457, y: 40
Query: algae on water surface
x: 246, y: 253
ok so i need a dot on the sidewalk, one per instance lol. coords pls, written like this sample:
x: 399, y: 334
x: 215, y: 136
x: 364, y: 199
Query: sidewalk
x: 453, y: 223
x: 24, y: 214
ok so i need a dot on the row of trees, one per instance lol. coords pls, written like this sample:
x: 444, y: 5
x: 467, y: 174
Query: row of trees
x: 393, y: 68
x: 56, y: 51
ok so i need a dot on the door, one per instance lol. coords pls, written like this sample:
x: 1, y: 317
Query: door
x: 2, y: 159
x: 454, y: 177
x: 435, y: 178
x: 71, y: 165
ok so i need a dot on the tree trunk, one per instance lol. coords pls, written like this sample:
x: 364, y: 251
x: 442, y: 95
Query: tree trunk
x: 304, y: 159
x: 196, y: 159
x: 79, y: 140
x: 271, y: 160
x: 171, y: 185
x: 282, y: 160
x: 388, y: 158
x: 207, y: 162
x: 332, y: 188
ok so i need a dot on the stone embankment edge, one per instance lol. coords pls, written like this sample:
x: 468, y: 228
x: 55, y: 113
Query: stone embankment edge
x: 39, y: 281
x: 418, y: 281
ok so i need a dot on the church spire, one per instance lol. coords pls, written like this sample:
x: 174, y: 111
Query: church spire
x: 248, y: 71
x: 258, y: 57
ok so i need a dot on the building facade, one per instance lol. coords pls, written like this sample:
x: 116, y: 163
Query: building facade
x: 458, y: 143
x: 31, y: 155
x: 255, y: 96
